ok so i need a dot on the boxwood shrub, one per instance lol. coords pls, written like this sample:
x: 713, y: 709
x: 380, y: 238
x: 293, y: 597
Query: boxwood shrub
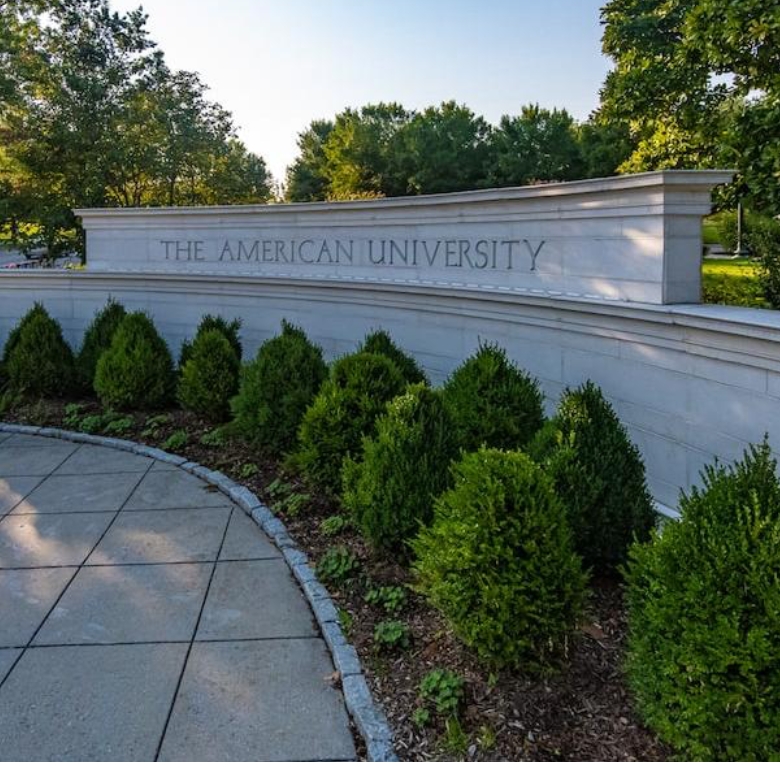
x: 599, y: 474
x: 499, y: 563
x: 38, y: 363
x: 404, y: 466
x: 380, y: 343
x: 277, y: 387
x: 97, y: 339
x: 209, y: 377
x: 704, y: 617
x: 136, y: 372
x: 346, y: 408
x: 493, y: 402
x: 230, y: 329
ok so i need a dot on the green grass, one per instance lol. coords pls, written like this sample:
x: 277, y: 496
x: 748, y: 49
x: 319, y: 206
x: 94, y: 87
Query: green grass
x: 709, y: 232
x: 733, y: 282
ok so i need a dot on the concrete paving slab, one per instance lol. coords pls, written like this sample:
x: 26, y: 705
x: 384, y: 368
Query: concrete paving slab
x: 26, y: 596
x: 245, y: 540
x: 13, y: 489
x: 256, y: 599
x: 258, y: 700
x: 94, y: 459
x: 32, y: 461
x: 87, y: 493
x: 4, y: 436
x: 89, y: 703
x: 175, y: 489
x: 7, y: 659
x: 128, y: 604
x: 162, y: 466
x: 163, y: 536
x: 33, y: 440
x: 50, y: 540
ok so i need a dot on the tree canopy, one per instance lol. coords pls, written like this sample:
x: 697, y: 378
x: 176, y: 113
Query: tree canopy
x: 92, y: 116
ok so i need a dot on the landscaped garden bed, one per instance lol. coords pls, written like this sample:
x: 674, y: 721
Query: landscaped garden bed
x: 476, y: 551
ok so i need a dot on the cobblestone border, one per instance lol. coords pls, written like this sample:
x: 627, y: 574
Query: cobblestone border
x: 369, y: 720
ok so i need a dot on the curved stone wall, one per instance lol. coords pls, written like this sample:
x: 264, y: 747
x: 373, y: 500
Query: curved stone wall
x: 691, y: 382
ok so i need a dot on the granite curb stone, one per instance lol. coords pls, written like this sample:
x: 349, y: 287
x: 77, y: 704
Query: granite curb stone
x: 370, y: 722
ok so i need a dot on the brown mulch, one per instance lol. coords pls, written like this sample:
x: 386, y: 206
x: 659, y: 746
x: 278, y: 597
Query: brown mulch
x: 581, y: 712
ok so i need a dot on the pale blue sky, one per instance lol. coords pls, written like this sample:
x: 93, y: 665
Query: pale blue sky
x: 278, y: 65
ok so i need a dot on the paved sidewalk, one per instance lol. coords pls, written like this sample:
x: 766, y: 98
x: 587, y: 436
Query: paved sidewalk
x: 143, y: 616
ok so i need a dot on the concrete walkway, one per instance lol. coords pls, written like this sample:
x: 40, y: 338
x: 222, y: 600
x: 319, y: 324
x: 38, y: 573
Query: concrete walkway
x: 143, y: 616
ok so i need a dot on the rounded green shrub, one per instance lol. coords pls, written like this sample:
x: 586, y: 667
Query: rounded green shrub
x: 39, y: 361
x: 230, y: 329
x: 97, y: 339
x: 599, y: 474
x: 704, y: 617
x: 209, y: 378
x: 404, y: 466
x: 277, y: 387
x: 380, y: 343
x: 136, y: 372
x: 493, y: 402
x: 498, y: 561
x: 345, y: 409
x: 12, y: 340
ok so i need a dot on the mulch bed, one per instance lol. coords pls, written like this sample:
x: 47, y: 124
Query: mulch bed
x: 581, y: 712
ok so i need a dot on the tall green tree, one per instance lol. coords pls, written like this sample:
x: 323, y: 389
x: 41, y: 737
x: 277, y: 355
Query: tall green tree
x: 538, y: 145
x: 307, y: 178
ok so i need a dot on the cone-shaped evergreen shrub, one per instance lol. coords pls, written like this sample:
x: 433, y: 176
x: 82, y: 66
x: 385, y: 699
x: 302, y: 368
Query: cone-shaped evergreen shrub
x: 136, y: 372
x: 704, y: 617
x: 499, y: 563
x: 209, y: 377
x: 277, y: 387
x: 599, y: 475
x: 346, y: 408
x: 380, y: 343
x: 405, y: 465
x: 39, y: 361
x: 493, y: 402
x: 12, y: 340
x: 97, y: 339
x: 230, y: 329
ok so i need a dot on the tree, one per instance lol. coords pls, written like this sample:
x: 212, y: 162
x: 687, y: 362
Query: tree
x: 538, y: 145
x: 684, y: 80
x: 443, y: 149
x: 307, y: 179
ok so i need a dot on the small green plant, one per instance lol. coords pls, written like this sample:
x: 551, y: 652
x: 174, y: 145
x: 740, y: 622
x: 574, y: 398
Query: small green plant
x: 455, y: 741
x: 176, y: 441
x: 347, y: 621
x: 380, y: 343
x: 277, y: 387
x: 598, y: 474
x: 421, y: 717
x: 72, y: 417
x: 40, y: 363
x: 486, y: 738
x: 337, y: 566
x: 333, y: 525
x: 389, y: 492
x: 391, y: 636
x: 493, y: 402
x: 703, y: 603
x: 209, y: 377
x: 292, y: 505
x: 498, y: 561
x: 97, y: 340
x: 345, y: 409
x: 229, y: 329
x: 444, y: 690
x: 118, y: 424
x: 391, y: 598
x: 213, y: 438
x: 248, y: 470
x: 136, y: 372
x: 91, y: 424
x: 153, y: 425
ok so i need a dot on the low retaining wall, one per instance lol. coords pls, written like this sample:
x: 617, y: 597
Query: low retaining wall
x: 690, y: 382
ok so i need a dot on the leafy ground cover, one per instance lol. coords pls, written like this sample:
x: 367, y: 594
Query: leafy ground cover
x: 732, y: 282
x: 441, y: 701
